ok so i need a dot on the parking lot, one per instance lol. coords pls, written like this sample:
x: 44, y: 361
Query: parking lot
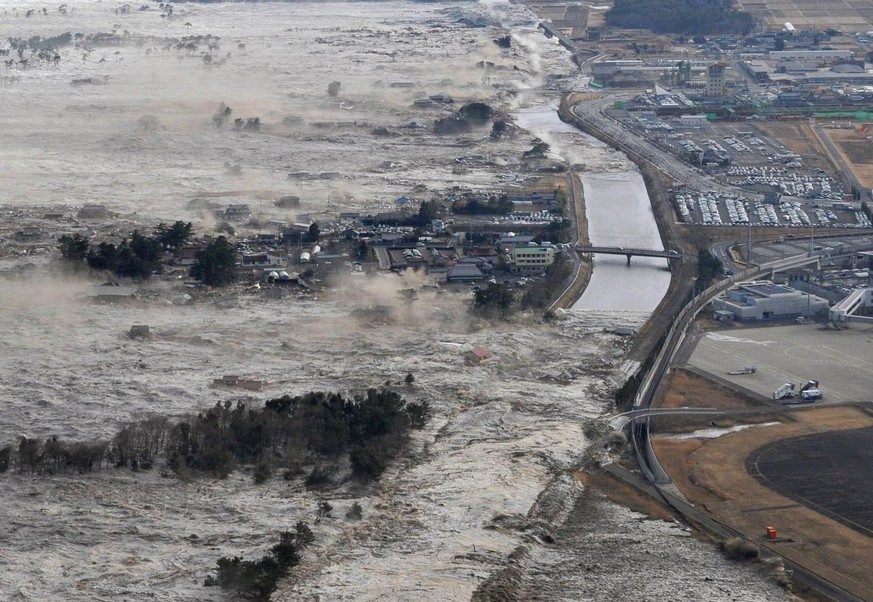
x: 793, y: 196
x: 717, y: 209
x: 842, y: 361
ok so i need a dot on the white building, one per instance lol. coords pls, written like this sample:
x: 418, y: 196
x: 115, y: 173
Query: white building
x: 694, y: 121
x: 715, y: 80
x: 763, y: 300
x: 532, y: 258
x: 806, y: 55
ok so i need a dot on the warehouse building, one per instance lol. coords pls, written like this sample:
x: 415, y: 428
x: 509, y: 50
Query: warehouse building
x: 763, y: 300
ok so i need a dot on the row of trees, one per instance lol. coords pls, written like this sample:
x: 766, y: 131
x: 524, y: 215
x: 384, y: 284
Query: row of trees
x: 140, y: 256
x: 473, y: 205
x: 137, y: 257
x: 370, y: 429
x: 691, y: 17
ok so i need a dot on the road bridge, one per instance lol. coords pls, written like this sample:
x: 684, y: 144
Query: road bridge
x: 628, y: 252
x: 552, y: 31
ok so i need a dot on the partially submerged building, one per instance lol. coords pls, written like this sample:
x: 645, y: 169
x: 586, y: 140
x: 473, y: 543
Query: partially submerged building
x: 477, y: 356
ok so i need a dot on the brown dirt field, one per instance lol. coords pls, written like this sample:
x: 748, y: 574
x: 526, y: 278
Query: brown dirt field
x: 683, y: 388
x: 713, y: 475
x: 626, y: 495
x: 856, y: 151
x: 799, y: 137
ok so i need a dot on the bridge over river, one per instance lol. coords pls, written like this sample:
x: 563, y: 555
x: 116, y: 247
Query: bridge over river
x: 629, y: 252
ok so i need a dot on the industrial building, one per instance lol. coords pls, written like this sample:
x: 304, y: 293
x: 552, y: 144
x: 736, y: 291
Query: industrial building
x: 695, y: 121
x: 763, y: 300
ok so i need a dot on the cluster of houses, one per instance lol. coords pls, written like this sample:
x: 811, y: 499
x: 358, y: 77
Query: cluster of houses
x: 474, y: 250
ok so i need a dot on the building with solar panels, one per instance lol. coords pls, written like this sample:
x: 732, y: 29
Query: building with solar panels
x: 764, y: 300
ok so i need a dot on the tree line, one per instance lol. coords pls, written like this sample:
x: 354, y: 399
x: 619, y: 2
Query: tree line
x: 370, y: 429
x: 142, y: 255
x: 692, y: 17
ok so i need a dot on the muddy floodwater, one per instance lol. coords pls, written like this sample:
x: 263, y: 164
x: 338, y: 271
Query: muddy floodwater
x: 125, y: 118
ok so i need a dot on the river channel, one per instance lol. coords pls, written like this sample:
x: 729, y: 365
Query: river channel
x: 619, y: 214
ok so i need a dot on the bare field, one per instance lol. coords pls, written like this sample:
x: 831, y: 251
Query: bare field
x: 683, y: 388
x: 800, y: 139
x: 856, y: 151
x: 712, y: 473
x: 851, y: 15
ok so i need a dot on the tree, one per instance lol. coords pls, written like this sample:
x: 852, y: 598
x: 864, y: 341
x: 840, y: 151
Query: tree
x: 498, y: 129
x: 314, y: 233
x: 409, y: 379
x: 74, y: 248
x: 173, y: 237
x: 222, y: 115
x: 452, y: 124
x: 333, y: 88
x: 495, y: 299
x: 427, y: 212
x: 324, y: 510
x: 709, y: 267
x: 104, y: 258
x: 140, y: 257
x: 476, y: 113
x: 537, y: 151
x: 216, y: 264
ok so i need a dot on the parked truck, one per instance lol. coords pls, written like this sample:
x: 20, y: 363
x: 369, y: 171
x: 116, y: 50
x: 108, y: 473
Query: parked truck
x: 786, y: 391
x: 810, y: 391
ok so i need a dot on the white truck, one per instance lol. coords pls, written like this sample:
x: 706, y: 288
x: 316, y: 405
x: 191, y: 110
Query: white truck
x: 786, y: 391
x: 810, y: 391
x: 811, y: 394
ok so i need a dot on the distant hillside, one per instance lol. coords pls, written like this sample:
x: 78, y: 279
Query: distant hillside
x: 692, y: 17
